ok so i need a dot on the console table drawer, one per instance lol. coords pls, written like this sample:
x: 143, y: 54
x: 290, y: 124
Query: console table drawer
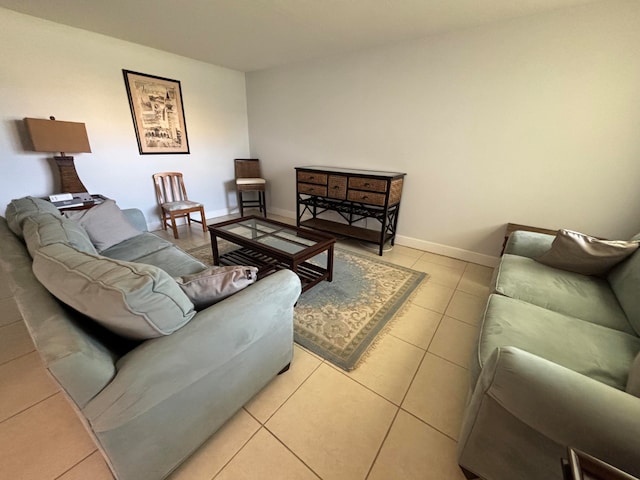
x: 307, y: 177
x: 370, y: 184
x: 365, y: 197
x: 310, y: 189
x: 337, y: 187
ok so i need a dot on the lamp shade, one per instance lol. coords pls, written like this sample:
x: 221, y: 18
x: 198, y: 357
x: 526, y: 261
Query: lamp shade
x: 57, y: 136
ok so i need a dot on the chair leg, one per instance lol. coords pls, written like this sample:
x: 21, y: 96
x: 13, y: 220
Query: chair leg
x: 204, y: 220
x: 174, y: 227
x: 163, y: 219
x: 263, y: 202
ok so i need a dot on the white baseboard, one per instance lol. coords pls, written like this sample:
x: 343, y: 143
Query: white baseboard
x: 437, y: 248
x: 447, y: 251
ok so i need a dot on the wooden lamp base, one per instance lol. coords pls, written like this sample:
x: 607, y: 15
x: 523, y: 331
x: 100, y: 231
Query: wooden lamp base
x: 69, y: 180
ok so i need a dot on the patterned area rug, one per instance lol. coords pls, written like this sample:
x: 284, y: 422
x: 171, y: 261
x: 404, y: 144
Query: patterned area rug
x: 339, y: 320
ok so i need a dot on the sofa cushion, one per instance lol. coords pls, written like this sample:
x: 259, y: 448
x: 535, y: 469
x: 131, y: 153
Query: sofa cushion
x: 44, y: 229
x: 598, y: 352
x: 105, y: 223
x: 580, y: 253
x: 137, y: 247
x: 22, y: 208
x: 580, y: 296
x: 133, y: 300
x: 173, y: 260
x: 625, y: 283
x: 216, y: 283
x: 633, y: 382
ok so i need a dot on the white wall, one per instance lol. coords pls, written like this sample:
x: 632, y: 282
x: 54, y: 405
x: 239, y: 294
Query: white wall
x: 50, y: 69
x: 534, y: 120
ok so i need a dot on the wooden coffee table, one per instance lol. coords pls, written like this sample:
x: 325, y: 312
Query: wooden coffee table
x: 271, y: 246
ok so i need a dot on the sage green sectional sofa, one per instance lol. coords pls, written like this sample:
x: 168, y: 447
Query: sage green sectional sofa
x: 162, y: 378
x: 557, y: 365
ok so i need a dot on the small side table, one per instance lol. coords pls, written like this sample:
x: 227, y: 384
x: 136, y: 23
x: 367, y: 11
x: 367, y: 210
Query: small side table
x: 96, y: 199
x: 512, y: 227
x: 582, y: 466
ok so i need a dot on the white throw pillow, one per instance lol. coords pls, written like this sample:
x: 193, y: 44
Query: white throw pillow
x: 216, y: 283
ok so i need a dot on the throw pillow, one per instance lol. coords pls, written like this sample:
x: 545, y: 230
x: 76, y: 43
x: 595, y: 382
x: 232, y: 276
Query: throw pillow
x: 216, y: 283
x: 133, y: 300
x: 580, y: 253
x: 105, y: 224
x: 633, y: 382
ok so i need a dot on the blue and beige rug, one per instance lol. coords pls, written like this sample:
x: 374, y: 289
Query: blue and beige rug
x: 339, y: 320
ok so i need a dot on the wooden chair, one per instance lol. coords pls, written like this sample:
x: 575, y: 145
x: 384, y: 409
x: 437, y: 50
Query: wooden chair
x: 249, y: 179
x: 173, y: 201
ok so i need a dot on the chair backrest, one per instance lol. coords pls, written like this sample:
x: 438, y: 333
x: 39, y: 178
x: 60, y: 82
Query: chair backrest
x: 169, y: 187
x: 247, y: 168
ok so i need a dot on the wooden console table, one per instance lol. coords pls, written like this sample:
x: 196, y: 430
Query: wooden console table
x: 353, y: 194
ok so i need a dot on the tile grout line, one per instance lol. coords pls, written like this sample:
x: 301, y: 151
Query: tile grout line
x: 346, y: 374
x: 29, y: 407
x: 292, y: 452
x: 428, y: 424
x: 286, y: 399
x: 76, y: 464
x: 237, y: 452
x: 386, y: 435
x: 448, y: 360
x: 2, y: 364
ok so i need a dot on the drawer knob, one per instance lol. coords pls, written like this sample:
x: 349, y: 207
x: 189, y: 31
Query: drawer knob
x: 311, y: 177
x: 364, y: 197
x: 336, y: 187
x: 367, y: 184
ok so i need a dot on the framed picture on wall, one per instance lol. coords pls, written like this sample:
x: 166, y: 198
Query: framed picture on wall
x: 158, y: 114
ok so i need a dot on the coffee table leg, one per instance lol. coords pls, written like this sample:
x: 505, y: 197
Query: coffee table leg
x: 330, y: 263
x: 214, y: 249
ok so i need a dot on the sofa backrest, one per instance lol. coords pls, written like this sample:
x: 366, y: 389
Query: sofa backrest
x: 79, y: 354
x: 624, y: 280
x: 45, y: 229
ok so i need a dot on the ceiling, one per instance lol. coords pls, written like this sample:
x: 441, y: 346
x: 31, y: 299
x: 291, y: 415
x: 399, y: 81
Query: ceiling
x: 249, y: 35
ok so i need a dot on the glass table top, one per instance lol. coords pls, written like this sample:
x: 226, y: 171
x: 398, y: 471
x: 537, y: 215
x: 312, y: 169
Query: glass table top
x: 280, y: 237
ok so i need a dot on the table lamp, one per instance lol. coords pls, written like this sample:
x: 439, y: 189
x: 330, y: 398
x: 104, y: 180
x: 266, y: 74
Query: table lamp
x: 56, y: 136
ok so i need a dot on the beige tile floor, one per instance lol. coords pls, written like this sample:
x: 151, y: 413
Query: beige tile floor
x: 397, y: 416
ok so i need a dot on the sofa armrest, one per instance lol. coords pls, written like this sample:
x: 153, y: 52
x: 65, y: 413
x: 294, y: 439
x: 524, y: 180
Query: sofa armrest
x: 526, y: 410
x: 528, y: 244
x: 136, y: 218
x: 171, y: 393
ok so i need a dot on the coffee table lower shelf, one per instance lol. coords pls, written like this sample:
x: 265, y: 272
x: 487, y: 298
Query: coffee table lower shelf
x: 309, y: 273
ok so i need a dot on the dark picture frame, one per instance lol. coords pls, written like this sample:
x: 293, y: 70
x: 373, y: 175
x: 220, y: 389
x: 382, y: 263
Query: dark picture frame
x: 157, y: 112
